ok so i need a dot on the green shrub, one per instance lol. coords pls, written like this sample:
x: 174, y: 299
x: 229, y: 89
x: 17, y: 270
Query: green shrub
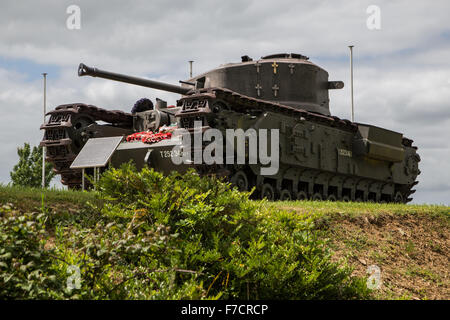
x: 172, y: 237
x: 25, y: 265
x: 232, y: 247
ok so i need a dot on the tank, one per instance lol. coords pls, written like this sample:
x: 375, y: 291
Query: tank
x: 320, y: 156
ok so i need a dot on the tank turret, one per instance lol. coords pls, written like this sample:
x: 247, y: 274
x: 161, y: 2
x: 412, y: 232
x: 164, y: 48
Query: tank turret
x: 288, y: 79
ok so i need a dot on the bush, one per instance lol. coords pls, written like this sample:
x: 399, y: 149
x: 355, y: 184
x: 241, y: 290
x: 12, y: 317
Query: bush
x: 229, y: 246
x: 25, y: 265
x: 183, y: 237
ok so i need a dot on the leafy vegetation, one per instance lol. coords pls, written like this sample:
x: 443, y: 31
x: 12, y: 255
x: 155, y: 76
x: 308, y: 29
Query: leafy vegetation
x: 28, y: 171
x: 149, y: 236
x: 26, y: 266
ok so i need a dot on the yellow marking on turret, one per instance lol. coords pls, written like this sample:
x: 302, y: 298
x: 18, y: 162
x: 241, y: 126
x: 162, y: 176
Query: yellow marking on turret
x: 275, y: 66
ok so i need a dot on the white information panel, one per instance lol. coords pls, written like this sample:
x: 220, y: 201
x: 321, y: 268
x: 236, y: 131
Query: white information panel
x: 96, y: 152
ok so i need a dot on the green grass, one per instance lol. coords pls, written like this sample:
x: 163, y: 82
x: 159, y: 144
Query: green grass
x: 352, y: 209
x: 422, y: 272
x: 31, y: 198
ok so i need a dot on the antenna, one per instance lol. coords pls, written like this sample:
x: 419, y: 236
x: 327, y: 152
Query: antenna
x: 351, y: 81
x: 190, y: 68
x: 43, y: 148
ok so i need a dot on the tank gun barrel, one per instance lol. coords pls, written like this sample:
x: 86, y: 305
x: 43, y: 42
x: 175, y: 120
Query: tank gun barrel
x: 84, y: 70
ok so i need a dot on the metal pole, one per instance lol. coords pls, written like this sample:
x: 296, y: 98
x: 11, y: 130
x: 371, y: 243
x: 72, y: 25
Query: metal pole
x: 82, y: 179
x: 43, y: 148
x: 95, y: 171
x: 190, y: 68
x: 351, y: 81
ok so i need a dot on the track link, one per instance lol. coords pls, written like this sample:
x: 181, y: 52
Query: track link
x: 63, y: 136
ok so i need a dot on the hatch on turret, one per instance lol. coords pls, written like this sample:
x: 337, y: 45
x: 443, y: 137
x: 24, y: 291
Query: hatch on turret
x: 285, y: 78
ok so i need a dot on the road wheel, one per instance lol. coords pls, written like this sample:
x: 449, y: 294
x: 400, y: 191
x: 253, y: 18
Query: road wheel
x: 301, y: 195
x: 317, y: 197
x: 331, y: 197
x: 240, y: 181
x: 346, y: 199
x: 267, y: 192
x: 285, y: 195
x: 398, y: 198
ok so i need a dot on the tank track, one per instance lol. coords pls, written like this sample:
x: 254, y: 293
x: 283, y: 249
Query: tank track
x: 62, y: 137
x: 193, y: 108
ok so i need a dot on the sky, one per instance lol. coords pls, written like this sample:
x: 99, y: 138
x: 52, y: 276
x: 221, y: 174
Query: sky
x: 401, y: 60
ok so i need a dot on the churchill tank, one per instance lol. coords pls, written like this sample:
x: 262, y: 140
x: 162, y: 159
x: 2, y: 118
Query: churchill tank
x: 280, y: 97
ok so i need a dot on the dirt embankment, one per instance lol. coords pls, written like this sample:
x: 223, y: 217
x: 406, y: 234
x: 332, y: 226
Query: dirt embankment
x: 411, y: 251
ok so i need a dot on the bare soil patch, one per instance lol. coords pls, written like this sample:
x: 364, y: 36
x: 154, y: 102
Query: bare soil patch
x: 412, y: 251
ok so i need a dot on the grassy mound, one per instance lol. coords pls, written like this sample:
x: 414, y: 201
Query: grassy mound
x: 149, y: 236
x: 410, y: 244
